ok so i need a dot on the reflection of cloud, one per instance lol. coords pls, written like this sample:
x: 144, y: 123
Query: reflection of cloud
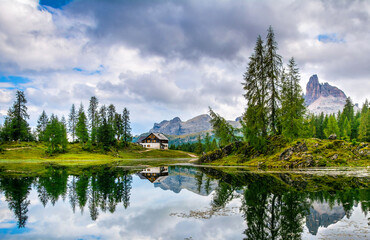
x: 148, y: 217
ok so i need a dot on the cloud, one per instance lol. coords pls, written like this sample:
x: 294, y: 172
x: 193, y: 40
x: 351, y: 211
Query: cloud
x: 172, y: 58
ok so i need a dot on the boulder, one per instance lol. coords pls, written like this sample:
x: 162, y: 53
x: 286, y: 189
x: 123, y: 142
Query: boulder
x: 332, y: 136
x: 287, y: 153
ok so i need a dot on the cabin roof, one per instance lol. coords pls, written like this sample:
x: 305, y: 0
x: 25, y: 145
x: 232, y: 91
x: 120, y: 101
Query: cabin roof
x: 160, y: 136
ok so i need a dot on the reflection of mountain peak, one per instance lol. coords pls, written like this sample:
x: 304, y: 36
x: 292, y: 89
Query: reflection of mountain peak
x: 322, y: 215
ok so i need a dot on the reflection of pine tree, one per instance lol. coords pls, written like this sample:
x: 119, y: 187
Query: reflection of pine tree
x: 16, y: 192
x: 93, y: 200
x: 199, y: 178
x: 293, y: 210
x: 72, y: 193
x: 82, y: 185
x: 207, y: 185
x: 224, y: 193
x: 55, y: 184
x: 42, y: 194
x: 127, y: 181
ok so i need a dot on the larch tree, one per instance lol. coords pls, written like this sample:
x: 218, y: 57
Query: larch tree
x: 222, y: 129
x: 332, y: 127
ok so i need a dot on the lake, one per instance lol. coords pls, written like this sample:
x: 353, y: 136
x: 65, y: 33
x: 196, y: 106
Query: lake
x: 184, y: 202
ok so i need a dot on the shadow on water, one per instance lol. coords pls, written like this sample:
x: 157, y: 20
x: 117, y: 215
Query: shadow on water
x: 273, y: 205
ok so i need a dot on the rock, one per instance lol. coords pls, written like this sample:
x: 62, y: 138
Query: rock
x: 177, y: 127
x: 212, y: 156
x: 287, y: 153
x: 332, y: 136
x: 323, y: 97
x: 334, y: 157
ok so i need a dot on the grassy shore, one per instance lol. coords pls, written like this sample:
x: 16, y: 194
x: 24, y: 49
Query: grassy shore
x: 297, y: 154
x: 32, y: 157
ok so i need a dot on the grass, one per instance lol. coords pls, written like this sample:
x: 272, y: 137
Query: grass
x: 320, y: 153
x: 31, y: 157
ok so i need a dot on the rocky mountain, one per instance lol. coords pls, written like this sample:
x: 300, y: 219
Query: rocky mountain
x: 323, y: 215
x: 177, y: 127
x: 322, y: 97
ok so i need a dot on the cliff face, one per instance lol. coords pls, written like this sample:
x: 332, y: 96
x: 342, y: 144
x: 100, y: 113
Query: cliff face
x: 315, y: 90
x: 323, y: 97
x: 177, y: 127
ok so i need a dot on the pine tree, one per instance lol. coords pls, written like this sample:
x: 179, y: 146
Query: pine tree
x: 105, y: 135
x: 272, y: 66
x: 93, y: 117
x: 126, y: 128
x: 41, y: 126
x: 255, y: 84
x: 53, y: 134
x: 81, y: 126
x: 222, y: 129
x: 118, y: 125
x: 346, y: 133
x: 199, y: 147
x: 364, y: 128
x: 111, y: 113
x: 72, y: 121
x: 17, y: 117
x: 332, y: 127
x: 207, y: 143
x: 292, y: 102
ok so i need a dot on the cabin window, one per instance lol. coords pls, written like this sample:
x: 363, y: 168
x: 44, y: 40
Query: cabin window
x: 148, y: 145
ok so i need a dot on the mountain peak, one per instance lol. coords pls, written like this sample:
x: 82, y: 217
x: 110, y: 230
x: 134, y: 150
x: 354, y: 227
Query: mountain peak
x: 315, y: 90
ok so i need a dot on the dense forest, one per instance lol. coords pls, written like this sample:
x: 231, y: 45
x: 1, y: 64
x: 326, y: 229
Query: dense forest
x: 102, y: 127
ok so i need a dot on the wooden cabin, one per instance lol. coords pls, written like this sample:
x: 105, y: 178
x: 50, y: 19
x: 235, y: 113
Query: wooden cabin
x: 154, y: 141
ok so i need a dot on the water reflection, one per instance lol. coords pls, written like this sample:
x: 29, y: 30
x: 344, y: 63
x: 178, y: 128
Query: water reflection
x: 272, y: 206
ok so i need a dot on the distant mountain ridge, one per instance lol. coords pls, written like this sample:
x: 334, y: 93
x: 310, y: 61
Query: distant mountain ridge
x: 323, y: 97
x: 197, y: 124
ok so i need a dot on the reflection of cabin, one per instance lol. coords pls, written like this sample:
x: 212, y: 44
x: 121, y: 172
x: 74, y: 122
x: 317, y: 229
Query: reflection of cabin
x: 154, y: 174
x: 155, y: 141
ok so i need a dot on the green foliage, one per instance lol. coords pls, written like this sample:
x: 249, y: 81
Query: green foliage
x: 72, y: 121
x: 292, y: 109
x: 223, y: 131
x: 332, y: 127
x: 199, y: 146
x: 41, y: 126
x: 81, y: 126
x: 105, y: 135
x: 93, y: 117
x: 364, y: 128
x: 126, y: 128
x: 55, y: 135
x: 15, y: 125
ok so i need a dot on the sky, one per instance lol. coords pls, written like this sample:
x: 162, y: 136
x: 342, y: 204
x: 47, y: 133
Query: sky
x: 166, y: 59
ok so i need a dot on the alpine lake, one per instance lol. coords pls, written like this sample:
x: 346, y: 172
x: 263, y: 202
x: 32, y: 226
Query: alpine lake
x: 185, y: 202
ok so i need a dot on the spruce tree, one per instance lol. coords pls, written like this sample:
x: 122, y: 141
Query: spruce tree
x: 199, y: 147
x: 81, y: 126
x: 207, y: 143
x: 72, y: 121
x: 93, y: 117
x: 222, y: 129
x: 42, y: 122
x: 126, y: 128
x: 346, y: 133
x: 332, y: 127
x: 255, y: 84
x: 17, y: 114
x: 272, y: 66
x: 364, y: 128
x: 292, y: 103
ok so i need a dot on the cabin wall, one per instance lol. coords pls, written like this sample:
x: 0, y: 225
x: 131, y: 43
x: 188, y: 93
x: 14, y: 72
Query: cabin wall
x: 151, y: 145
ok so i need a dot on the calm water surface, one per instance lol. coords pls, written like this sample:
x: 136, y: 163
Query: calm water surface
x: 180, y: 202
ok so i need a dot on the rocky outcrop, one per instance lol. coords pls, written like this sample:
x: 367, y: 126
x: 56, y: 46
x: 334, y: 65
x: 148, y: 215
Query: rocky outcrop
x: 323, y: 97
x: 177, y: 127
x: 287, y: 154
x: 315, y: 90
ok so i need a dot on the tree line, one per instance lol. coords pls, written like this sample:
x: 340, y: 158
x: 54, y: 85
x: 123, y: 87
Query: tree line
x: 275, y: 105
x: 103, y: 127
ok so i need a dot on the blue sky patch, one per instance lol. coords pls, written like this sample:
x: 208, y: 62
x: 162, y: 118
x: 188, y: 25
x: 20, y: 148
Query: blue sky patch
x: 328, y: 38
x: 55, y: 3
x: 16, y: 81
x: 90, y: 73
x: 13, y: 230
